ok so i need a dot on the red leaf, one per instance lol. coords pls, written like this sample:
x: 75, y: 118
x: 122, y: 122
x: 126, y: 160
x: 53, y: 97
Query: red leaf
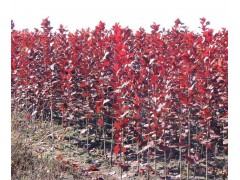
x: 89, y: 116
x: 189, y: 159
x: 208, y: 145
x: 116, y: 67
x: 123, y: 149
x: 219, y: 62
x: 214, y: 136
x: 183, y: 99
x: 141, y: 171
x: 154, y: 126
x: 65, y: 125
x: 207, y: 114
x: 61, y: 107
x: 116, y: 149
x: 14, y: 64
x: 106, y: 63
x: 59, y: 157
x: 93, y: 168
x: 122, y: 53
x: 125, y: 167
x: 27, y: 116
x: 162, y: 147
x: 144, y: 71
x: 154, y: 114
x: 117, y: 136
x: 136, y: 99
x: 153, y: 79
x: 25, y: 83
x: 201, y: 121
x: 143, y: 143
x: 98, y: 109
x: 83, y: 84
x: 197, y: 156
x: 124, y: 122
x: 201, y: 89
x: 159, y: 132
x: 177, y: 22
x: 182, y: 145
x: 225, y: 148
x: 224, y: 175
x: 199, y: 136
x: 147, y: 138
x: 22, y: 73
x: 117, y: 125
x: 69, y: 76
x: 100, y: 122
x: 155, y: 26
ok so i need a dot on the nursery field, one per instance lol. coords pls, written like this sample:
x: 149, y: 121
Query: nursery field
x: 118, y: 104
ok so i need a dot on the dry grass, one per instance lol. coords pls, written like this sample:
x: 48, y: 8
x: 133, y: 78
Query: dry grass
x: 25, y: 163
x: 43, y: 152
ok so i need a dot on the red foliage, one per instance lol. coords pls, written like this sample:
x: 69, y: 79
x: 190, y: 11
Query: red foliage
x: 116, y: 149
x: 100, y: 122
x: 149, y: 84
x: 93, y: 168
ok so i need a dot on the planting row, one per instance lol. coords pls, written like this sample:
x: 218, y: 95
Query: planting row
x: 159, y: 92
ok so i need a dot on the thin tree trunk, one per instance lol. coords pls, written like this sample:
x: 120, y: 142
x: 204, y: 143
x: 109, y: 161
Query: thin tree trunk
x: 155, y: 164
x: 138, y: 158
x: 87, y: 135
x: 206, y: 163
x: 96, y: 130
x: 189, y: 143
x: 111, y: 150
x: 180, y: 152
x: 165, y: 158
x: 104, y: 141
x: 207, y: 152
x: 148, y: 152
x: 51, y: 115
x: 165, y: 165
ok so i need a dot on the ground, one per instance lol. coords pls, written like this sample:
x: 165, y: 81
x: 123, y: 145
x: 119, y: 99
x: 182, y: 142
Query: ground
x: 42, y: 150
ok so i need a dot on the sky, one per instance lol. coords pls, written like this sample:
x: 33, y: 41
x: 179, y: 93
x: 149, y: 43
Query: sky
x: 77, y: 14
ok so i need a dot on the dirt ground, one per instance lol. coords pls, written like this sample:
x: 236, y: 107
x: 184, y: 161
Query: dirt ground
x: 41, y: 150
